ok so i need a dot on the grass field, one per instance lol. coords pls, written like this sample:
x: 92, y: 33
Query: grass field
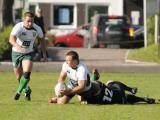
x: 42, y: 87
x: 149, y: 54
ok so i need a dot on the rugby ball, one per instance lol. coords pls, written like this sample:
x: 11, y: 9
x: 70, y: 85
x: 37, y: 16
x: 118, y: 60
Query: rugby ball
x: 60, y: 86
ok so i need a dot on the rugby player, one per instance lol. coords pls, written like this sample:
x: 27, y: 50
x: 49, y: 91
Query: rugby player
x: 22, y: 38
x: 93, y: 92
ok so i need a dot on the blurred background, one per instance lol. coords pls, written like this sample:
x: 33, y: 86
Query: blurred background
x: 88, y: 24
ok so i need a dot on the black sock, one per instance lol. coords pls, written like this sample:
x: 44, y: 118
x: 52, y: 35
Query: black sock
x: 133, y: 99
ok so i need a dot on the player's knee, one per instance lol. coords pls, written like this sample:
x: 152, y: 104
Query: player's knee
x: 18, y: 78
x: 27, y: 75
x: 109, y: 81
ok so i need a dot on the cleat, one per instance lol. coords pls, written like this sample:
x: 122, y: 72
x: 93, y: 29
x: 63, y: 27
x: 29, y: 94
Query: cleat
x: 17, y: 96
x: 149, y: 100
x: 157, y: 101
x: 28, y: 95
x: 134, y: 90
x: 84, y: 102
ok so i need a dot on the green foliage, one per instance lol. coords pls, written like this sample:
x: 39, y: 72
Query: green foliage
x: 42, y: 89
x: 152, y: 52
x: 151, y: 29
x: 149, y: 54
x: 51, y: 39
x: 5, y: 47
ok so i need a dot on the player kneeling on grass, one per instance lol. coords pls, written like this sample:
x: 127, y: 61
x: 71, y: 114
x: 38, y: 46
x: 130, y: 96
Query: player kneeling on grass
x: 93, y: 92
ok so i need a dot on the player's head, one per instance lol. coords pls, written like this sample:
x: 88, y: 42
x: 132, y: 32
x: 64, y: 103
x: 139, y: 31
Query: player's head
x: 28, y: 19
x: 72, y: 59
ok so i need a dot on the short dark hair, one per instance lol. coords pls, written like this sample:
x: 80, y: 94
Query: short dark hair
x: 28, y: 14
x: 74, y: 55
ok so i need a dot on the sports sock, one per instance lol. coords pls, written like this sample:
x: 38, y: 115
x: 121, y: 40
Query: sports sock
x: 26, y: 88
x: 22, y: 84
x: 93, y: 77
x: 134, y: 99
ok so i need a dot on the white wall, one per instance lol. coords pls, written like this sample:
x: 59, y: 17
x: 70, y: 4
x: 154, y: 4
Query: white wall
x: 154, y: 5
x: 115, y: 6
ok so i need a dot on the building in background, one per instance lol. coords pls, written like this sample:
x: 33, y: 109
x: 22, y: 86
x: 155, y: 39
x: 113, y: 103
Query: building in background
x: 63, y: 16
x: 134, y: 9
x: 153, y: 6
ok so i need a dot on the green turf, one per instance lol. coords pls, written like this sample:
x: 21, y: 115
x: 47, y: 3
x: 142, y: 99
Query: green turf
x: 42, y: 87
x: 149, y: 54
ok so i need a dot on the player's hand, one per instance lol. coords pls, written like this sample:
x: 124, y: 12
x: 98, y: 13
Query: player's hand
x: 65, y: 92
x: 19, y: 48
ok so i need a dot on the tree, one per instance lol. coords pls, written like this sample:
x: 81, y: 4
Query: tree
x: 7, y: 12
x: 1, y: 21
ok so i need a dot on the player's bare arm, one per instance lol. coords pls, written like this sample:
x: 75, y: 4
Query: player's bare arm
x: 62, y: 76
x: 12, y: 41
x: 78, y: 89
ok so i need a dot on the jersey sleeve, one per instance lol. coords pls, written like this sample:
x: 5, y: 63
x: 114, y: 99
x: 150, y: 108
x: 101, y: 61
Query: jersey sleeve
x: 82, y: 73
x: 16, y: 30
x: 64, y: 67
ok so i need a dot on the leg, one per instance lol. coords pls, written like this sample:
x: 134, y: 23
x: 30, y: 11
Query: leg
x: 27, y: 67
x: 109, y: 81
x: 18, y: 72
x: 95, y: 75
x: 16, y: 60
x: 133, y: 90
x: 63, y: 100
x: 27, y: 71
x: 53, y: 100
x: 134, y: 99
x: 81, y: 100
x: 60, y: 100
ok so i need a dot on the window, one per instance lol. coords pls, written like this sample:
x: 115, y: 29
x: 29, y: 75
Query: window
x: 32, y: 8
x: 96, y: 9
x: 63, y: 15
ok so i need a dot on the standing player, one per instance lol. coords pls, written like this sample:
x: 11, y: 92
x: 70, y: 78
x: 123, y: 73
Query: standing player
x: 94, y: 92
x: 22, y: 38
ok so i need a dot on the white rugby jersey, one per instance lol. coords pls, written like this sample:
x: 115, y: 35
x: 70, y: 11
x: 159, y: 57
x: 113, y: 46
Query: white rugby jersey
x: 80, y: 73
x: 26, y: 37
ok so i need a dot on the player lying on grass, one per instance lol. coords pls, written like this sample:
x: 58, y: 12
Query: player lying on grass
x: 93, y: 92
